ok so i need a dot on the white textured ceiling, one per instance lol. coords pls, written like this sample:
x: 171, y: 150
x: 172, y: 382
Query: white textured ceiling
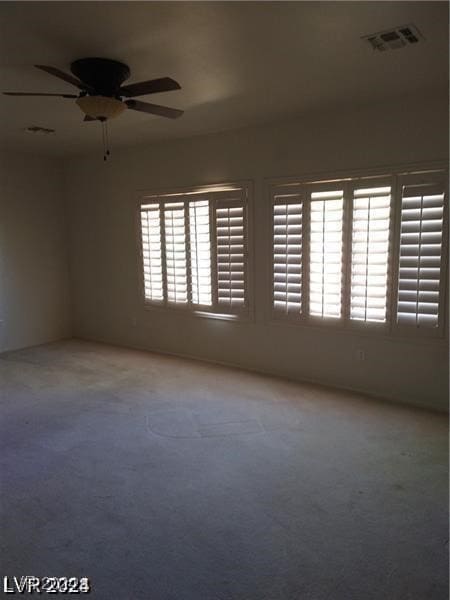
x: 239, y: 63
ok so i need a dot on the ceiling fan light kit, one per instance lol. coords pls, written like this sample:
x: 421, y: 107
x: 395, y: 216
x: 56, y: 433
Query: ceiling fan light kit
x: 101, y: 91
x: 101, y: 107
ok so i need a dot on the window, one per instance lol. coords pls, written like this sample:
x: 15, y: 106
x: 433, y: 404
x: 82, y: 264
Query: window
x: 175, y: 252
x: 325, y: 253
x: 420, y: 273
x: 152, y: 252
x: 370, y: 253
x: 230, y: 252
x: 194, y: 250
x: 337, y: 258
x: 287, y: 252
x: 200, y: 243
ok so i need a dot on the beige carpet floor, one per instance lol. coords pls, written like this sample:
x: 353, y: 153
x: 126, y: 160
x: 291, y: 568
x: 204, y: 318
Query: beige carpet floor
x: 161, y: 478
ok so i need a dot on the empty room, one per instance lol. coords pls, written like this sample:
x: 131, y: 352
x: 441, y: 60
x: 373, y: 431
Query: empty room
x: 224, y: 364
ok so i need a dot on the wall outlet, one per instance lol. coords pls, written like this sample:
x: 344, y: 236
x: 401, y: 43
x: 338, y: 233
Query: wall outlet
x: 360, y: 354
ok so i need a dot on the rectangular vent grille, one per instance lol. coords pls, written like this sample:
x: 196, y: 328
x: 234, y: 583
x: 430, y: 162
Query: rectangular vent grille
x: 399, y: 37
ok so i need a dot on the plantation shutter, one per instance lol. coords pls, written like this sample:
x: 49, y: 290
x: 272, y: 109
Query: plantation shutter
x: 287, y: 232
x: 194, y: 250
x: 152, y: 252
x: 175, y: 252
x: 325, y: 248
x: 421, y: 254
x: 370, y: 253
x: 231, y: 252
x: 200, y: 248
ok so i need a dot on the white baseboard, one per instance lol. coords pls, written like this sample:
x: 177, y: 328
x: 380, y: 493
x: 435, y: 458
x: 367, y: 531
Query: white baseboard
x: 272, y: 373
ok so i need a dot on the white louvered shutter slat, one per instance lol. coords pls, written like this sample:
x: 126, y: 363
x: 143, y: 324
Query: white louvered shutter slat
x: 370, y: 253
x: 175, y: 252
x: 420, y: 261
x: 287, y: 241
x: 326, y: 245
x: 152, y: 252
x: 200, y: 248
x: 231, y: 255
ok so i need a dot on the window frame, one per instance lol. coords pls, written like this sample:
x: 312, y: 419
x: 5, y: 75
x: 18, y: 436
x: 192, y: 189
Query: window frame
x: 218, y: 192
x: 292, y: 317
x: 317, y: 187
x: 351, y: 180
x: 441, y: 331
x: 374, y: 181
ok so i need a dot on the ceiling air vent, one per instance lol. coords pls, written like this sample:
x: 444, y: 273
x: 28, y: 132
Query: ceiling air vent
x: 394, y: 38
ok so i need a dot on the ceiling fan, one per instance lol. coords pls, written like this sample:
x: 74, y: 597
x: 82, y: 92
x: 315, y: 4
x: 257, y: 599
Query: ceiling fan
x: 102, y: 95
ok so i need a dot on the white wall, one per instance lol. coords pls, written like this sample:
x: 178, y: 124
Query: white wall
x: 34, y: 302
x: 104, y: 259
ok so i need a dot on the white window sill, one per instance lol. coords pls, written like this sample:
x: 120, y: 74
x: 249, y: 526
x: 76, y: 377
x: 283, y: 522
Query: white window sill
x: 199, y: 313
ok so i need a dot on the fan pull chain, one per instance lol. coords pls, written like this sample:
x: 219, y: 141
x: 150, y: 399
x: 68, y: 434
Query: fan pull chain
x: 105, y: 139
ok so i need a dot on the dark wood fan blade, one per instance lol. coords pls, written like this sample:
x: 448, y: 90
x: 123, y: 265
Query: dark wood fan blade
x: 165, y: 84
x: 88, y: 118
x: 154, y: 109
x: 64, y: 76
x: 39, y: 94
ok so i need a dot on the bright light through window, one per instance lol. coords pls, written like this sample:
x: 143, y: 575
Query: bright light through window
x: 200, y: 243
x: 325, y: 275
x: 194, y: 250
x: 370, y: 253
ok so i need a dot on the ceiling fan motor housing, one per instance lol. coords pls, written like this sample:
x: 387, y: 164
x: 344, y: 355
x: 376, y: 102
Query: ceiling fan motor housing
x: 103, y: 75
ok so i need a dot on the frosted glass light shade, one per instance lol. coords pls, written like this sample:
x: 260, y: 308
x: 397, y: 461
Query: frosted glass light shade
x: 101, y: 107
